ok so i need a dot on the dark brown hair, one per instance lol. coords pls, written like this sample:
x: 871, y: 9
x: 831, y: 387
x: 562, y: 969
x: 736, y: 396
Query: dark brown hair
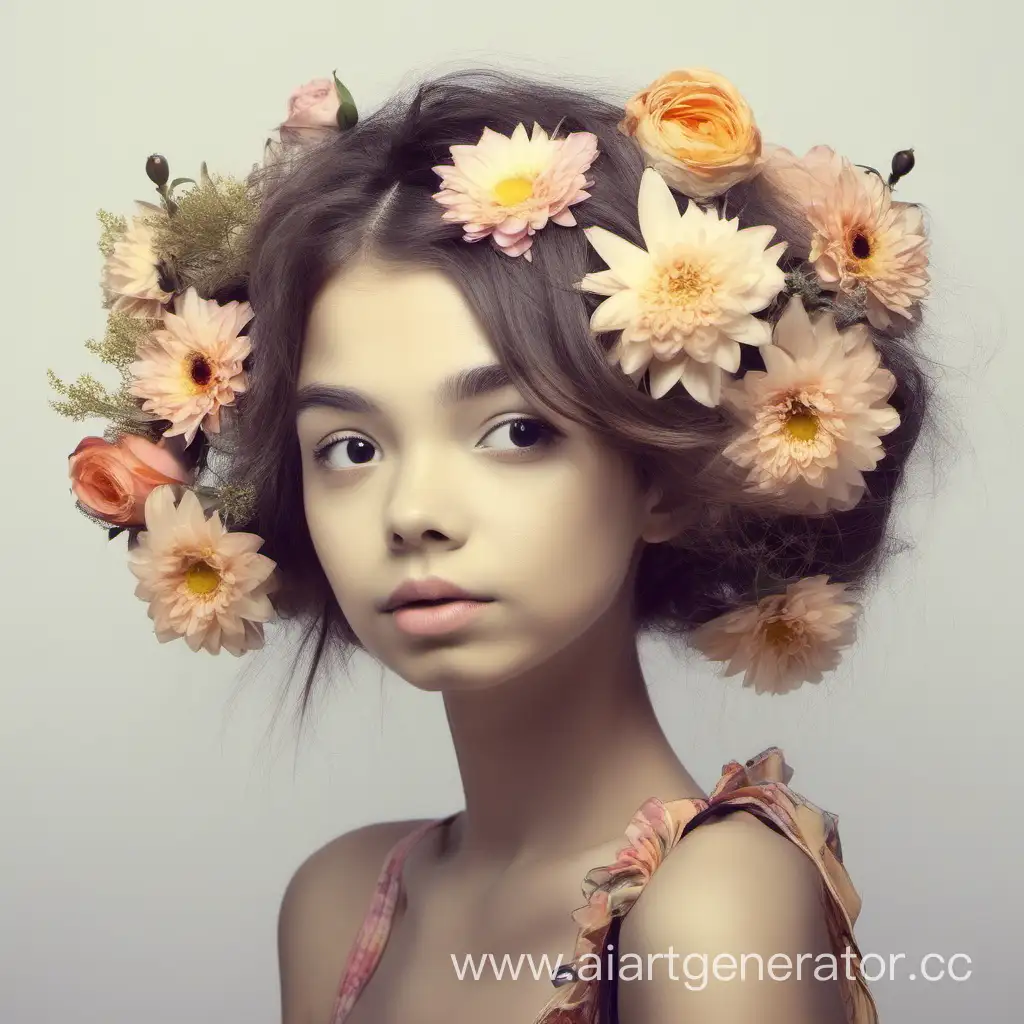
x: 368, y: 191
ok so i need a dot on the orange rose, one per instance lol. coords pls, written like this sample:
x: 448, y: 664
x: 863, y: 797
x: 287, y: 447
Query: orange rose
x: 113, y: 481
x: 696, y: 130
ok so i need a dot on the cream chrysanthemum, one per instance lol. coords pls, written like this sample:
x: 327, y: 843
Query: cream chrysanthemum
x: 509, y: 187
x: 861, y: 241
x: 684, y: 305
x: 192, y: 367
x: 202, y: 582
x: 784, y: 640
x: 130, y: 278
x: 815, y: 415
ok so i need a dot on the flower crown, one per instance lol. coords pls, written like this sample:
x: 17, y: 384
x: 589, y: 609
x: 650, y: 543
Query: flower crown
x: 808, y: 425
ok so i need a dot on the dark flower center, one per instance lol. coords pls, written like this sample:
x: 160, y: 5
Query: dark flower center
x: 860, y: 246
x: 200, y: 370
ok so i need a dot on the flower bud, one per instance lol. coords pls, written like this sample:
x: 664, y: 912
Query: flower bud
x: 902, y: 165
x: 157, y: 170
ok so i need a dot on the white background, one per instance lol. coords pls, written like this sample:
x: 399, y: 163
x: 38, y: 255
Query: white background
x: 151, y: 811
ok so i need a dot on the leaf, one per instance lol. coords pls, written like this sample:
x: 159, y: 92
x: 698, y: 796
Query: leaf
x: 178, y: 181
x: 114, y: 531
x: 347, y: 115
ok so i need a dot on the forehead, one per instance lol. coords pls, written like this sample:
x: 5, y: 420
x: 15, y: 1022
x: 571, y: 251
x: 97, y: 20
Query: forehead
x: 389, y: 328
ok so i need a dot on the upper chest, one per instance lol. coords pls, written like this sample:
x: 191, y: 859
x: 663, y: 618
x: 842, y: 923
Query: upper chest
x: 457, y: 952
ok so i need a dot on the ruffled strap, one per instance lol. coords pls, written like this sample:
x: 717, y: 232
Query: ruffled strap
x: 760, y: 786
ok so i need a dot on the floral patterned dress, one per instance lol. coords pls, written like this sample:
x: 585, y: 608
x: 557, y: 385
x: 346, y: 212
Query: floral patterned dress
x: 758, y: 786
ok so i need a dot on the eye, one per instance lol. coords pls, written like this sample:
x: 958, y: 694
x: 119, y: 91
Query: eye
x: 527, y: 433
x: 358, y: 449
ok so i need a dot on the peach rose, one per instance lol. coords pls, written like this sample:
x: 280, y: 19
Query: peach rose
x: 696, y: 130
x: 312, y: 112
x: 113, y: 481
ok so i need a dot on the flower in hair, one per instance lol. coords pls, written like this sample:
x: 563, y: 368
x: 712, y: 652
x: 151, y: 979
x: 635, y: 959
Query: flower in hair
x: 861, y: 241
x: 130, y: 278
x: 813, y: 418
x: 685, y: 304
x: 202, y: 582
x: 188, y: 370
x: 696, y: 129
x: 509, y: 187
x: 112, y: 480
x: 783, y: 640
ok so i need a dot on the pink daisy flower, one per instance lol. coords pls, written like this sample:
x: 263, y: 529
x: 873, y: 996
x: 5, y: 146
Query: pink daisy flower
x: 784, y: 640
x: 860, y: 239
x: 202, y: 582
x: 509, y: 187
x: 192, y: 367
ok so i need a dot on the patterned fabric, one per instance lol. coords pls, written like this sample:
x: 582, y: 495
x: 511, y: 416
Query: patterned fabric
x: 759, y: 786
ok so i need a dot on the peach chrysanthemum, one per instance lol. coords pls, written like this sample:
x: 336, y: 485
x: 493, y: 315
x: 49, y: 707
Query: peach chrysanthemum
x: 130, y: 278
x: 861, y: 241
x: 202, y: 582
x: 192, y: 367
x: 684, y: 305
x: 509, y: 187
x: 784, y: 640
x: 814, y: 416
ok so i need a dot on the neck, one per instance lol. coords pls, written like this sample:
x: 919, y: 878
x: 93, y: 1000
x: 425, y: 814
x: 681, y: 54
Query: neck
x: 560, y: 758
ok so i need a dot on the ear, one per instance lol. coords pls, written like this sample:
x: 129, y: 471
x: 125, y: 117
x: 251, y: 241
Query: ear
x: 661, y: 521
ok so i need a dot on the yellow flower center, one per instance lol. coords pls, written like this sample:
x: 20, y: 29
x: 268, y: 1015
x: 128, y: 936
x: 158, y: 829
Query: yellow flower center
x: 199, y: 371
x: 779, y: 633
x: 801, y: 423
x: 201, y: 578
x: 679, y: 284
x: 512, y: 191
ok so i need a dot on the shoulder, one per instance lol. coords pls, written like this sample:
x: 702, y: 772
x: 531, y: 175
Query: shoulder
x: 731, y: 890
x: 321, y: 912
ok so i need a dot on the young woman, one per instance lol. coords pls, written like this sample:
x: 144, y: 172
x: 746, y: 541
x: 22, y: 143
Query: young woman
x: 531, y: 376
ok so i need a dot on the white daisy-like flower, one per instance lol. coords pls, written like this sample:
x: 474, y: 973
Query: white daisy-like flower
x: 685, y: 304
x: 814, y: 417
x: 130, y: 278
x: 783, y: 640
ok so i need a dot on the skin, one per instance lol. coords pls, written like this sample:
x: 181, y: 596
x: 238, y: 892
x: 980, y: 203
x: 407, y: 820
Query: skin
x: 555, y: 736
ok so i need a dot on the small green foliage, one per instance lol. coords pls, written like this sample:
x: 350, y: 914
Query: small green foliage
x: 119, y: 346
x: 114, y: 226
x: 238, y: 504
x: 206, y: 239
x: 87, y: 397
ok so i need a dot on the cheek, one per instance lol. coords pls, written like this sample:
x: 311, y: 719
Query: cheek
x: 336, y: 541
x: 575, y: 550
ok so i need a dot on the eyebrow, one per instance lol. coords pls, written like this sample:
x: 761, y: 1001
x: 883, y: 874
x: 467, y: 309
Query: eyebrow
x: 459, y: 387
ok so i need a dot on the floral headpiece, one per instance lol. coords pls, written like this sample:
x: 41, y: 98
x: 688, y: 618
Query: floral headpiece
x: 807, y: 426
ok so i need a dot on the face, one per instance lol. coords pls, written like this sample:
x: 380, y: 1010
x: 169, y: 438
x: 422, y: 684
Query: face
x: 405, y: 476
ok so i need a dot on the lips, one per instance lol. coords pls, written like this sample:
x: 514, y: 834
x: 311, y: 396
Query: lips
x: 425, y: 592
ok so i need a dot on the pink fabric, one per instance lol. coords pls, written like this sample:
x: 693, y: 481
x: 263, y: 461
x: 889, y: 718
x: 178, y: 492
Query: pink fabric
x: 759, y: 786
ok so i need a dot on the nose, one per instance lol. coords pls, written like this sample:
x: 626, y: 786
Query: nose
x: 421, y: 508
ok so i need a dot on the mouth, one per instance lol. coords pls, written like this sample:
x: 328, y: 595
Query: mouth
x: 438, y: 601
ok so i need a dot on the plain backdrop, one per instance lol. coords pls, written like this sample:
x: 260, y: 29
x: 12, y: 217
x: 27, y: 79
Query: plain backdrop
x: 152, y: 810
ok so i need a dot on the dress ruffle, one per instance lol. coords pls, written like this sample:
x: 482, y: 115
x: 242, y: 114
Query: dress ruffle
x: 759, y: 786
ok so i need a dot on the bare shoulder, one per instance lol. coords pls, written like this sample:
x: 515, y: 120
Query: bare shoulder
x: 322, y: 909
x: 733, y: 888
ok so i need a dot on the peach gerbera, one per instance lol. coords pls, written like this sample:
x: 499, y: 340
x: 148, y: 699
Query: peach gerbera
x: 130, y: 277
x: 685, y: 305
x: 783, y: 640
x: 192, y: 367
x: 509, y: 187
x: 202, y: 582
x: 860, y: 239
x: 814, y: 416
